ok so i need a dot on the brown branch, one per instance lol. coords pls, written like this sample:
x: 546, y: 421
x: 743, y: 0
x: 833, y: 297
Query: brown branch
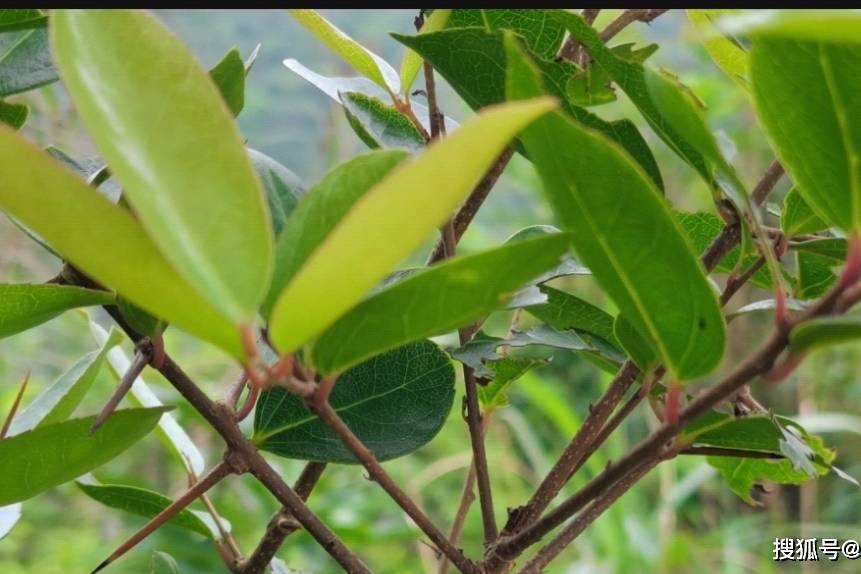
x: 282, y: 524
x: 467, y: 497
x: 376, y: 472
x: 733, y: 284
x: 141, y: 359
x: 772, y: 175
x: 629, y: 17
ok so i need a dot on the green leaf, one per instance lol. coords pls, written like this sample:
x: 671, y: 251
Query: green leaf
x: 629, y: 238
x: 504, y: 372
x: 25, y: 62
x: 412, y: 62
x: 815, y: 274
x: 566, y: 311
x: 130, y: 77
x: 12, y: 19
x: 833, y: 26
x: 144, y: 502
x: 379, y: 124
x: 115, y: 251
x: 9, y: 517
x: 725, y: 51
x: 64, y: 451
x: 592, y: 86
x: 761, y: 433
x: 542, y: 33
x: 392, y: 220
x: 169, y: 432
x: 229, y: 78
x: 395, y: 403
x: 815, y: 96
x: 57, y: 403
x: 832, y: 248
x: 163, y: 564
x: 636, y: 346
x: 363, y: 60
x: 825, y: 331
x: 472, y: 61
x: 13, y: 115
x: 140, y: 320
x: 797, y: 218
x: 89, y: 169
x: 322, y: 208
x: 437, y: 300
x: 23, y: 306
x: 283, y: 188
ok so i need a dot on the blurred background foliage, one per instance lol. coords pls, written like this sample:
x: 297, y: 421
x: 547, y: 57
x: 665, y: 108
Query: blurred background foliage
x: 681, y: 518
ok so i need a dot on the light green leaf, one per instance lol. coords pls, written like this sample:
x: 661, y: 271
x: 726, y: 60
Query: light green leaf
x: 12, y: 19
x: 322, y: 208
x: 25, y: 62
x: 45, y: 457
x: 283, y: 188
x: 229, y: 78
x: 412, y: 62
x: 130, y: 78
x: 57, y: 403
x: 472, y: 61
x: 9, y: 517
x: 379, y: 124
x: 146, y: 503
x: 814, y: 89
x: 163, y: 564
x: 23, y: 306
x: 724, y: 50
x: 838, y: 26
x: 797, y: 218
x: 363, y: 60
x: 434, y: 301
x: 629, y: 238
x: 422, y: 192
x: 542, y: 33
x: 503, y: 373
x: 13, y: 115
x: 593, y: 86
x: 825, y: 331
x: 395, y: 403
x: 113, y: 239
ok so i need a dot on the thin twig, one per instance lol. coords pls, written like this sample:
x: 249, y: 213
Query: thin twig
x: 629, y: 17
x: 8, y: 422
x: 142, y: 358
x: 572, y: 49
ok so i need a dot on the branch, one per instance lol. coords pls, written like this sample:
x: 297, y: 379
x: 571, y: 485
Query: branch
x: 629, y: 17
x: 572, y: 50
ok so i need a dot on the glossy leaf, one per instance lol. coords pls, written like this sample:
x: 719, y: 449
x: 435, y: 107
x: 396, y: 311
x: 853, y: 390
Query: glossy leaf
x: 423, y: 192
x: 163, y: 563
x: 629, y: 239
x: 169, y: 432
x: 125, y: 94
x: 412, y: 62
x: 12, y: 19
x: 25, y: 62
x: 363, y: 60
x: 472, y: 61
x: 57, y: 402
x: 113, y: 239
x: 437, y: 300
x: 814, y: 96
x: 23, y: 306
x: 66, y: 450
x: 322, y: 208
x: 283, y: 188
x: 395, y: 403
x: 229, y: 77
x: 726, y: 51
x: 825, y: 331
x: 380, y: 125
x: 542, y: 33
x: 144, y: 502
x: 13, y: 115
x: 797, y: 218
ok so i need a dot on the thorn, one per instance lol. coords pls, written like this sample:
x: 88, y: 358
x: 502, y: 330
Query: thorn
x: 139, y: 363
x: 674, y: 395
x: 8, y: 422
x: 852, y: 270
x: 100, y: 567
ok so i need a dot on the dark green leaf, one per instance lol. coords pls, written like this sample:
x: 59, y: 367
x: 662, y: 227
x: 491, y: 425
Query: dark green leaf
x: 379, y: 124
x: 144, y: 502
x: 435, y: 301
x: 395, y: 403
x: 283, y: 188
x: 592, y: 86
x: 629, y: 239
x: 24, y: 306
x: 13, y: 115
x: 815, y: 275
x: 797, y: 217
x: 833, y: 249
x: 45, y: 457
x: 25, y: 61
x: 12, y: 19
x: 566, y: 311
x: 542, y: 33
x: 163, y: 564
x: 229, y: 78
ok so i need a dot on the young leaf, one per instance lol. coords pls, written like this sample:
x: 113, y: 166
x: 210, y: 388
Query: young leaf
x: 115, y: 250
x: 23, y: 306
x: 169, y: 432
x: 283, y: 188
x: 57, y: 403
x: 125, y: 94
x: 66, y: 450
x: 797, y: 218
x: 412, y: 62
x: 163, y: 564
x: 9, y: 517
x: 363, y: 60
x: 503, y: 373
x: 146, y: 503
x: 395, y: 403
x: 322, y: 208
x: 814, y: 96
x: 380, y: 125
x: 825, y: 331
x: 629, y: 238
x: 13, y: 19
x: 435, y: 301
x: 724, y: 50
x: 25, y: 62
x: 229, y: 78
x: 13, y: 115
x: 392, y: 220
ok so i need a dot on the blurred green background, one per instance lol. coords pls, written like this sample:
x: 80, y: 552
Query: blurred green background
x: 681, y: 518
